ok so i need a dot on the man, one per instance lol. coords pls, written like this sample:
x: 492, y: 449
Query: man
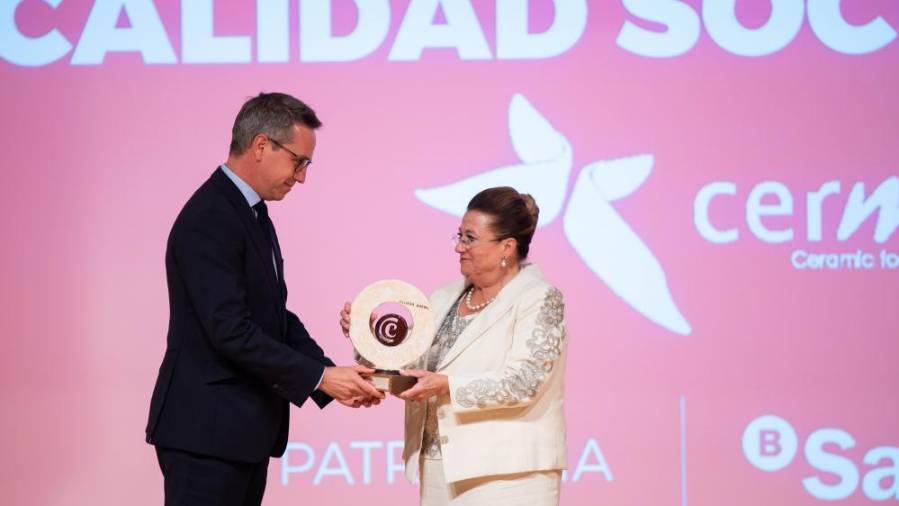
x: 235, y: 354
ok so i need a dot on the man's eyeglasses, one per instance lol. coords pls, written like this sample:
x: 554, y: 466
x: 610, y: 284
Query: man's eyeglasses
x: 469, y: 242
x: 299, y: 162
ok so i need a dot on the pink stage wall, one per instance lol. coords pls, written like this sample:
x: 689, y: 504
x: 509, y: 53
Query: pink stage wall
x: 720, y: 200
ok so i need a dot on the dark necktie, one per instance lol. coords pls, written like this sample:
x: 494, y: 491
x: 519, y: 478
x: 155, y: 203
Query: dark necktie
x: 268, y: 232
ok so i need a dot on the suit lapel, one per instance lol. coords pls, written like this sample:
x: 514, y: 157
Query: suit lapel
x: 248, y: 219
x: 442, y: 304
x: 503, y: 303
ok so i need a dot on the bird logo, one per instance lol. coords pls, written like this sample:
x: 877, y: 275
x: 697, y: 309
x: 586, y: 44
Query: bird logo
x: 596, y: 231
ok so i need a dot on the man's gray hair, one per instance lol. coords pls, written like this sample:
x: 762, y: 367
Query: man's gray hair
x: 272, y: 114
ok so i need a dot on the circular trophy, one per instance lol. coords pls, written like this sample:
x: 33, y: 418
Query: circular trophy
x: 389, y: 341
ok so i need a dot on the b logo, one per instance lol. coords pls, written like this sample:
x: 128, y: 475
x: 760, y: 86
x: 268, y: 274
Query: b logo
x: 770, y: 443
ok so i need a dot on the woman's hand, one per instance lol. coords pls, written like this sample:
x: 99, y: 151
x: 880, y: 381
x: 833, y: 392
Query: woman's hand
x: 345, y: 319
x: 429, y: 384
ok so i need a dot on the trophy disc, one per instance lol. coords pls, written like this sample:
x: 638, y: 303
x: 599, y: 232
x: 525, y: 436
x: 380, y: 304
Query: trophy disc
x: 390, y: 342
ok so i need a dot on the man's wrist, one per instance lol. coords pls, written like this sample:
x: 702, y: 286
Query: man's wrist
x: 319, y: 384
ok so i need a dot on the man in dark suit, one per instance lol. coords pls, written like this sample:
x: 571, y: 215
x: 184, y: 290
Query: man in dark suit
x: 235, y: 355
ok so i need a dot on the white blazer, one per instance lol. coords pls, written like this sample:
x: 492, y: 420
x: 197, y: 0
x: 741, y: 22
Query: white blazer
x: 504, y: 413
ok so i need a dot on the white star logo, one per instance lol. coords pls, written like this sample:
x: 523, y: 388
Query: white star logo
x: 599, y: 235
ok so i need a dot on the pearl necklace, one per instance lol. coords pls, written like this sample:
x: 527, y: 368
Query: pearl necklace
x: 477, y: 307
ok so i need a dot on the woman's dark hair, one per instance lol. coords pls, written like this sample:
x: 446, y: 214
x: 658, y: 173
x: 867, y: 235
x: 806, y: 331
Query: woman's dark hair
x: 514, y: 214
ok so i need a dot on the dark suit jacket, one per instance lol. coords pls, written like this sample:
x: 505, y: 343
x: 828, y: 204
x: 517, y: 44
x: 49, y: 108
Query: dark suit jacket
x: 235, y: 354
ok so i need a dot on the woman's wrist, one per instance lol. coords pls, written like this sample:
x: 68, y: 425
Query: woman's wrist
x: 445, y: 384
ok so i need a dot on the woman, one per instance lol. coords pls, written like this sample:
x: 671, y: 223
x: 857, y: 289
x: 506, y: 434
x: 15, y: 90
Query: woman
x: 485, y: 421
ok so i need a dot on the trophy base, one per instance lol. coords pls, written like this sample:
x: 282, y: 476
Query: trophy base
x: 392, y: 381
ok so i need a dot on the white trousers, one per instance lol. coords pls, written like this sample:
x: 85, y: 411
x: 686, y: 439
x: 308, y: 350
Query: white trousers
x: 538, y: 488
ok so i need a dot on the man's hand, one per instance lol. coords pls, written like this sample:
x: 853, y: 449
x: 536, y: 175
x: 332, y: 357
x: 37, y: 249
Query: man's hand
x: 347, y: 383
x: 428, y: 385
x: 356, y: 402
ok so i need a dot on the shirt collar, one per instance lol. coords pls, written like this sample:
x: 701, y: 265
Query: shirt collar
x: 245, y: 189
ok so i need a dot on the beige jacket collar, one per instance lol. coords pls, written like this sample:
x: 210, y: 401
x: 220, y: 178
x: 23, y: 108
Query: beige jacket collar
x: 504, y: 302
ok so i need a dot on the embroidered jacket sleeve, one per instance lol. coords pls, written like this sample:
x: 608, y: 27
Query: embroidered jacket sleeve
x: 538, y: 339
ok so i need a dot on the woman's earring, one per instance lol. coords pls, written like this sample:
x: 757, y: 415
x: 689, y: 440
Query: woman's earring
x: 502, y: 262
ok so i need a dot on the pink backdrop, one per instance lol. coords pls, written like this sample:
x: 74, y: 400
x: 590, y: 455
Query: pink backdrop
x: 100, y: 158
